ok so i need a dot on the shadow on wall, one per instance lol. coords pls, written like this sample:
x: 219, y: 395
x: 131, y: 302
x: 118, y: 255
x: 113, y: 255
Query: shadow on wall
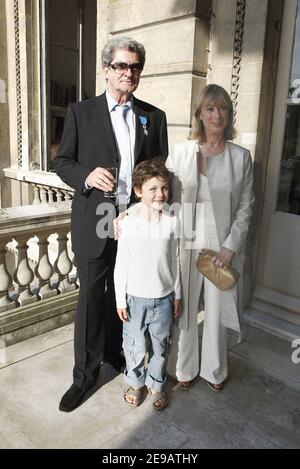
x: 230, y: 13
x: 249, y: 275
x: 203, y: 8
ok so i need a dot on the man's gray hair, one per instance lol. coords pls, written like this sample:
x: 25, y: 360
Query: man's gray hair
x: 118, y: 43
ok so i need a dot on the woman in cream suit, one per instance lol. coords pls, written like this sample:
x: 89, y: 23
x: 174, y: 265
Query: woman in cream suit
x: 213, y: 185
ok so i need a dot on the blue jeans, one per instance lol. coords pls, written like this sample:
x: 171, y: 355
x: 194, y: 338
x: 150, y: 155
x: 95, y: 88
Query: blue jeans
x: 148, y: 329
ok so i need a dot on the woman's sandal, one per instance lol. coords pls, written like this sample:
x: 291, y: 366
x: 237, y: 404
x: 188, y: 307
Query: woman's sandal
x: 186, y: 384
x: 216, y: 387
x: 135, y: 396
x: 159, y: 399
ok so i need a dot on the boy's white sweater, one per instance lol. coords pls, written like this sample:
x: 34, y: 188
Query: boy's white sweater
x: 147, y: 263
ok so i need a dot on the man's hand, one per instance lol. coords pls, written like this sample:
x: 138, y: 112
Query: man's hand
x: 116, y: 223
x: 177, y: 308
x: 223, y: 258
x: 122, y: 312
x: 101, y: 179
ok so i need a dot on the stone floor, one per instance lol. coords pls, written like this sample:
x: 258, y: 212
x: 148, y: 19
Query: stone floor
x: 259, y: 407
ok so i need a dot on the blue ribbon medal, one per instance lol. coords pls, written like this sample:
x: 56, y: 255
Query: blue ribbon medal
x: 144, y: 122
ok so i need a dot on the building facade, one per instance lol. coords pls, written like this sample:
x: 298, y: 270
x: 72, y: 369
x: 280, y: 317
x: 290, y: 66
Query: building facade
x: 50, y: 55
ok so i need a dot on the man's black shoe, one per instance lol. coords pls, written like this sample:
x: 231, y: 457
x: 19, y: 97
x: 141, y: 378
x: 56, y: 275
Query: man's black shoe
x: 74, y: 397
x: 118, y: 362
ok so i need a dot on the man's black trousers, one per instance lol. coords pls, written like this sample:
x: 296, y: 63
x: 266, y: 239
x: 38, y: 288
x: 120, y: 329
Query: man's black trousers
x: 98, y: 329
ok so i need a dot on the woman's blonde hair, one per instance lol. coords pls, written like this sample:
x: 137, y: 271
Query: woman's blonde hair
x: 212, y: 94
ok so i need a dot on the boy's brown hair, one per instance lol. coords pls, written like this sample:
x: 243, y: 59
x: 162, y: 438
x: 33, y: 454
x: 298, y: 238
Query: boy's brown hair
x: 149, y: 169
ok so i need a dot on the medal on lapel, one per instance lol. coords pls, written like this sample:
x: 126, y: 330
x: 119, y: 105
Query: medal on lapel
x: 144, y: 122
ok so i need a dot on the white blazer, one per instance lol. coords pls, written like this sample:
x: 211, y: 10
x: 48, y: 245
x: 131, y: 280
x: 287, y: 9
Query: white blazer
x: 230, y: 183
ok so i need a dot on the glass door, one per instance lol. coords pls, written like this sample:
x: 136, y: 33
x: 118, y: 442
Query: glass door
x: 288, y: 198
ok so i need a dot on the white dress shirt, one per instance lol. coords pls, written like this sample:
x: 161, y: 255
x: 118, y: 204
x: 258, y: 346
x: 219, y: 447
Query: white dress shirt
x: 147, y: 263
x: 126, y: 154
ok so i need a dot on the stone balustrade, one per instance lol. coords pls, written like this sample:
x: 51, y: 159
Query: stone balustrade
x: 47, y: 187
x: 47, y: 194
x: 23, y: 279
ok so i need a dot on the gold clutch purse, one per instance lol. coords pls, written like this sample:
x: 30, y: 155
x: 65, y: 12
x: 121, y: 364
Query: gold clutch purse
x: 224, y: 279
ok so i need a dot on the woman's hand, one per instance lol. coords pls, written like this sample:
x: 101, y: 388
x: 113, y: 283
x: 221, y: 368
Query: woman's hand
x: 223, y: 258
x: 177, y: 308
x: 122, y: 312
x: 116, y: 223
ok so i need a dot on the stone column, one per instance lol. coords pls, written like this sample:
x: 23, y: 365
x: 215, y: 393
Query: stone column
x: 44, y: 194
x: 59, y: 195
x: 23, y: 70
x: 63, y: 264
x: 5, y: 279
x: 23, y: 276
x: 5, y: 192
x: 44, y: 269
x: 50, y: 195
x: 67, y: 195
x: 36, y: 191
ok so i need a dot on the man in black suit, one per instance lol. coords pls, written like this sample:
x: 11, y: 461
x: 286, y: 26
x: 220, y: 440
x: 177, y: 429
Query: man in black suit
x: 112, y: 130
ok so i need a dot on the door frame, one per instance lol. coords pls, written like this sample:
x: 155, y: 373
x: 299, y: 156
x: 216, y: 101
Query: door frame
x: 273, y: 309
x: 278, y: 129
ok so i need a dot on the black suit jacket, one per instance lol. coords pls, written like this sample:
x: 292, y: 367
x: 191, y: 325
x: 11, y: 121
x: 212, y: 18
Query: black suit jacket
x: 87, y: 142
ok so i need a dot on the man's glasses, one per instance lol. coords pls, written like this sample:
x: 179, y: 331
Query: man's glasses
x: 122, y: 67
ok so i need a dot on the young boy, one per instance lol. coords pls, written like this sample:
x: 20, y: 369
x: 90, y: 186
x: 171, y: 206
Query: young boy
x: 147, y: 283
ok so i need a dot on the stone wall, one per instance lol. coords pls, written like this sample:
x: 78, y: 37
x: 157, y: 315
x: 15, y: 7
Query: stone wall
x: 176, y: 37
x: 251, y: 64
x: 251, y: 71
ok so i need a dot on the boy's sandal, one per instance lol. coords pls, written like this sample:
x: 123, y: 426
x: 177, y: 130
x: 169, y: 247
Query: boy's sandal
x: 135, y: 396
x: 186, y: 384
x: 159, y: 399
x: 216, y: 387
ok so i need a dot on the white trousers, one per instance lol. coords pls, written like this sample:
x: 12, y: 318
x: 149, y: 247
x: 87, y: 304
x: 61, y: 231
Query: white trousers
x: 184, y: 356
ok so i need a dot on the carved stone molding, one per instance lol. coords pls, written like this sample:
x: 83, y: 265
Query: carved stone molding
x: 18, y: 80
x: 237, y: 52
